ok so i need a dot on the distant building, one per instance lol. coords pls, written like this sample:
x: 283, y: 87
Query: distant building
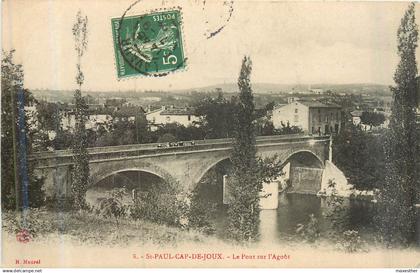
x: 317, y: 91
x: 100, y: 115
x: 184, y: 116
x: 356, y: 117
x: 292, y: 99
x: 312, y: 117
x: 68, y: 121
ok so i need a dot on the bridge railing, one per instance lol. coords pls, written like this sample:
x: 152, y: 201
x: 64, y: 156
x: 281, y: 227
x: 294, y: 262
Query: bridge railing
x: 64, y: 157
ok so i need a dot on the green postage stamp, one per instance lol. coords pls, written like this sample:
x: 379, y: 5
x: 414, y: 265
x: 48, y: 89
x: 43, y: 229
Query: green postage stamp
x: 149, y: 44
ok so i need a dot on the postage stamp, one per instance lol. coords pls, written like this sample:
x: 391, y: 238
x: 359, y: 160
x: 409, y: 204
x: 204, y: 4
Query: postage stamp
x: 149, y: 44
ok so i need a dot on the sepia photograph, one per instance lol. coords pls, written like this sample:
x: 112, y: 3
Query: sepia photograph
x: 210, y: 134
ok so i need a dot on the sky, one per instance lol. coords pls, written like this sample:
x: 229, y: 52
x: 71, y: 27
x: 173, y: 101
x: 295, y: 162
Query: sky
x: 288, y: 42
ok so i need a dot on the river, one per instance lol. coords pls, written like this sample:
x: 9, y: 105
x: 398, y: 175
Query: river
x: 278, y: 224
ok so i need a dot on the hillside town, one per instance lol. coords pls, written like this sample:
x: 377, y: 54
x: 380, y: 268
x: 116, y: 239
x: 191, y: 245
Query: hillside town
x: 313, y: 111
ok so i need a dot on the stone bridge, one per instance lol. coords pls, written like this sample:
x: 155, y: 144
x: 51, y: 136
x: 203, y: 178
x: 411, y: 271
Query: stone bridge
x: 186, y: 164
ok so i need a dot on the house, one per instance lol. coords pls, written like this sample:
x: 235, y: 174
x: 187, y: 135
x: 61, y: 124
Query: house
x: 100, y: 115
x: 356, y: 117
x: 317, y: 91
x: 313, y: 117
x: 184, y: 116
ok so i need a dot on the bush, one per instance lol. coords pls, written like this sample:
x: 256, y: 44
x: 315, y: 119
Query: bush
x: 29, y: 221
x: 167, y: 138
x: 199, y: 214
x: 113, y: 205
x: 310, y: 231
x: 160, y: 206
x: 351, y: 242
x: 336, y: 211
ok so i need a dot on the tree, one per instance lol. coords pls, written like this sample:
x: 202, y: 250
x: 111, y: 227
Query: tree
x: 286, y: 129
x: 80, y: 154
x: 167, y: 138
x: 19, y: 186
x: 401, y: 188
x: 48, y: 115
x: 372, y: 118
x: 142, y: 133
x: 218, y: 116
x: 360, y: 156
x: 243, y: 212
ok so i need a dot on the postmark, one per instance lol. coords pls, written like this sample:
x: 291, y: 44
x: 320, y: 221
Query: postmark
x: 149, y: 44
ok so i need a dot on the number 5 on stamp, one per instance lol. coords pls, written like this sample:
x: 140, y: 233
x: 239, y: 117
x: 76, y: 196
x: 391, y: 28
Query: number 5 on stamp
x: 149, y: 45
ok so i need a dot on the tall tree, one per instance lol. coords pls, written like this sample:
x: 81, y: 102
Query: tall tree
x: 19, y: 186
x: 244, y: 186
x: 80, y: 172
x: 401, y: 187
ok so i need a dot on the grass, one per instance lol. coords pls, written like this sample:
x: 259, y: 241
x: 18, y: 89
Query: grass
x: 90, y: 229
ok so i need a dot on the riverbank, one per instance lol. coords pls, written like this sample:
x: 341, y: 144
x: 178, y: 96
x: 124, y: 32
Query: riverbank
x: 72, y: 239
x: 90, y: 229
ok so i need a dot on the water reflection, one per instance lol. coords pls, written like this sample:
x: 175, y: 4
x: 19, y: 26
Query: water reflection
x: 295, y: 209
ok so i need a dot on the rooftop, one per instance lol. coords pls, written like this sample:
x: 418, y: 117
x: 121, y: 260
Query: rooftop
x: 178, y: 112
x: 356, y: 113
x: 317, y: 104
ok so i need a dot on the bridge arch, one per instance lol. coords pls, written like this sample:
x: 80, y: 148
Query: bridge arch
x: 303, y: 171
x: 210, y: 166
x: 303, y: 152
x: 284, y: 159
x: 107, y: 175
x: 100, y: 172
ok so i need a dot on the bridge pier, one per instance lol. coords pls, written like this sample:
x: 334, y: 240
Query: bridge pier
x: 270, y: 195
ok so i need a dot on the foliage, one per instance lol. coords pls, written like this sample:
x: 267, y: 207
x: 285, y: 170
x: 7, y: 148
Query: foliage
x: 23, y: 220
x: 265, y: 127
x: 167, y: 137
x: 351, y: 242
x: 179, y: 131
x: 268, y: 168
x: 400, y: 192
x: 12, y: 78
x: 286, y: 129
x: 243, y: 211
x: 89, y: 228
x: 80, y: 171
x: 142, y: 131
x: 200, y: 212
x: 337, y: 214
x: 161, y: 204
x: 336, y: 211
x: 310, y: 231
x: 372, y: 118
x: 218, y: 116
x: 48, y: 115
x: 113, y: 206
x: 360, y: 155
x: 63, y: 140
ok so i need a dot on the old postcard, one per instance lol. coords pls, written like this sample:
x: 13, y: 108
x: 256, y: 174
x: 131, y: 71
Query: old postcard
x: 163, y: 133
